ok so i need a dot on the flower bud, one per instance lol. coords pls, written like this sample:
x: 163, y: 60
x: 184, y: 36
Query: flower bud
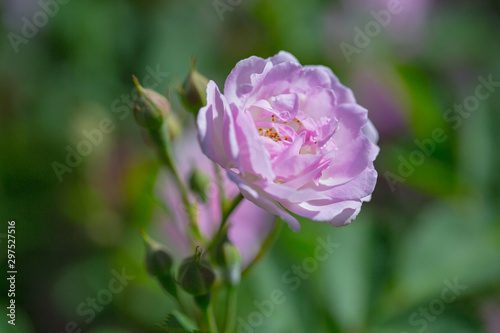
x: 150, y: 107
x: 228, y: 257
x: 159, y: 263
x: 199, y: 182
x: 194, y: 90
x: 196, y: 276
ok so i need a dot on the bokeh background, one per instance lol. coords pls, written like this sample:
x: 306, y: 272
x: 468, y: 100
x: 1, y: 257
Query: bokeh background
x: 438, y: 222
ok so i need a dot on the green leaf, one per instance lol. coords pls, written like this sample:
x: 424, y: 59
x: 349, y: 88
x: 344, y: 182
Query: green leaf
x: 176, y: 322
x: 172, y: 322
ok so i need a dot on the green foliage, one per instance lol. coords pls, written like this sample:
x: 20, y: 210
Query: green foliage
x: 172, y: 325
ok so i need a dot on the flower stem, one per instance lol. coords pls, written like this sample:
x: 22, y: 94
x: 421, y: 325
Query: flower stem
x: 210, y: 317
x: 206, y: 306
x: 165, y: 151
x: 231, y: 306
x: 229, y: 210
x: 225, y: 215
x: 266, y: 246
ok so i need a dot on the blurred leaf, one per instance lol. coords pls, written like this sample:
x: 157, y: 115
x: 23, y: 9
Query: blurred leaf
x: 446, y: 243
x: 425, y: 113
x: 432, y: 176
x: 441, y: 324
x: 256, y: 290
x: 177, y: 319
x: 475, y: 45
x: 173, y: 325
x: 76, y: 283
x: 140, y: 184
x: 476, y: 147
x: 345, y: 282
x: 276, y: 16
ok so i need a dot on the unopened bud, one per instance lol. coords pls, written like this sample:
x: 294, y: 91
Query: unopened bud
x: 194, y: 90
x: 199, y: 182
x: 196, y: 276
x: 159, y: 263
x: 150, y: 107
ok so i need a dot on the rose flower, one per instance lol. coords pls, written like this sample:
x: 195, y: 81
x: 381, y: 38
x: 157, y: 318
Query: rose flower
x: 292, y: 138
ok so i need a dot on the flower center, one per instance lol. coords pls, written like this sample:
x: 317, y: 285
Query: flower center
x: 272, y: 133
x: 277, y: 130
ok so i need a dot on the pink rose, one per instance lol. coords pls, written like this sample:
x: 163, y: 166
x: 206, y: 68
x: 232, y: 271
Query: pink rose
x: 292, y: 138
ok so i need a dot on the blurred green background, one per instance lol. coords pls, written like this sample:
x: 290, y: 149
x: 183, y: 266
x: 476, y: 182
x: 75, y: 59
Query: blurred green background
x: 438, y: 222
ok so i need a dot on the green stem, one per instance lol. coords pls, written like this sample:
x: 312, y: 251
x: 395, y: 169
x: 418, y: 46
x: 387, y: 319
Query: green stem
x: 210, y: 318
x: 266, y: 246
x: 204, y: 302
x: 164, y: 146
x: 161, y: 139
x: 226, y: 213
x: 230, y: 210
x: 231, y: 307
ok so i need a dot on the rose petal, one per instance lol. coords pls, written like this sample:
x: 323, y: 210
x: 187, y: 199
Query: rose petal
x: 245, y: 75
x: 258, y: 197
x: 337, y: 214
x: 321, y: 76
x: 283, y: 56
x: 359, y: 187
x: 216, y: 129
x: 354, y: 150
x: 370, y: 132
x: 276, y: 81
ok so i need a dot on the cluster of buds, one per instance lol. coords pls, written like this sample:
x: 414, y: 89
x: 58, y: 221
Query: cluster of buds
x: 152, y: 110
x: 196, y: 275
